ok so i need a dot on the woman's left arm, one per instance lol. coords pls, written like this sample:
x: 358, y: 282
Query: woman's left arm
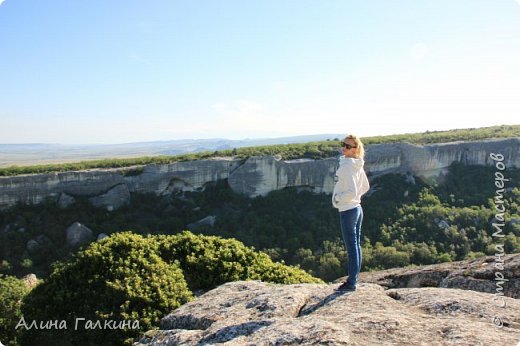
x: 365, y: 185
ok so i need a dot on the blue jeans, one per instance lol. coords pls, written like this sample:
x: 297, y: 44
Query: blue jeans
x: 351, y: 221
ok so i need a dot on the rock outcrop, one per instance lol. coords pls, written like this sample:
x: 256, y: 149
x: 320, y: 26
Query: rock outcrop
x: 65, y: 201
x: 77, y: 234
x: 477, y: 275
x: 254, y: 176
x: 260, y: 175
x: 429, y: 305
x: 208, y: 221
x: 258, y: 313
x: 34, y: 245
x: 101, y: 236
x: 113, y: 199
x: 30, y: 280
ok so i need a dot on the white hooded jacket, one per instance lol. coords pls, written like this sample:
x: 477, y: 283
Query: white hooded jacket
x: 351, y: 183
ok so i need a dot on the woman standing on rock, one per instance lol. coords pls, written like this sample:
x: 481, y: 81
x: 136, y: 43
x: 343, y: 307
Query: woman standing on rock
x: 351, y: 184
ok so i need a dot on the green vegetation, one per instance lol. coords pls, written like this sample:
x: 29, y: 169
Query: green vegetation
x: 406, y: 222
x: 315, y: 150
x: 144, y: 274
x: 12, y: 291
x: 119, y: 278
x: 130, y: 277
x: 471, y: 134
x: 209, y: 261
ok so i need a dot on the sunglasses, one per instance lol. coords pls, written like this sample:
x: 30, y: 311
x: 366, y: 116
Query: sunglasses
x: 347, y: 146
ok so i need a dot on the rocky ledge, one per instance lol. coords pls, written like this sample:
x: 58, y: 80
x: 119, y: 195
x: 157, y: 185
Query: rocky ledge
x: 481, y: 274
x: 259, y: 313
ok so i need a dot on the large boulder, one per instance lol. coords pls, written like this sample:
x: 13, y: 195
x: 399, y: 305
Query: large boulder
x: 101, y: 236
x: 77, y: 234
x: 32, y: 246
x: 37, y: 244
x: 208, y: 221
x: 258, y: 313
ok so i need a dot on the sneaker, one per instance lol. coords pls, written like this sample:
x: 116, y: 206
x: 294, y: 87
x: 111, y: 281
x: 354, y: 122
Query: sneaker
x: 346, y: 287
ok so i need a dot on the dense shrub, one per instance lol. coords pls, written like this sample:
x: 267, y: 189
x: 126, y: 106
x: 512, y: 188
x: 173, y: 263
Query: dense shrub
x: 120, y: 278
x: 12, y: 291
x: 131, y: 277
x: 208, y: 261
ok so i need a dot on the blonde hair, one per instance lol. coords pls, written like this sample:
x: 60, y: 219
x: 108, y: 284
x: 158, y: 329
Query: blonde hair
x: 360, y: 150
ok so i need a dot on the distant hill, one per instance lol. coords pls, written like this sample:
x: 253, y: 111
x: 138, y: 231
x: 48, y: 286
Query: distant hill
x: 45, y: 153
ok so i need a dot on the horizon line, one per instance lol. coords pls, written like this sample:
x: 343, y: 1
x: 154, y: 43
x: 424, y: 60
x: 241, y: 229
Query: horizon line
x: 247, y: 138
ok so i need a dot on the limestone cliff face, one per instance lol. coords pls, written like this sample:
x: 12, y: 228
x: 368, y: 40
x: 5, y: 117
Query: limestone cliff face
x: 430, y: 160
x: 185, y: 176
x: 259, y: 175
x: 98, y: 184
x: 33, y: 189
x: 254, y: 176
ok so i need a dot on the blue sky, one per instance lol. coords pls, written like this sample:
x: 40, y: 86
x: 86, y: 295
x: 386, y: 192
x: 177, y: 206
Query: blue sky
x: 125, y: 71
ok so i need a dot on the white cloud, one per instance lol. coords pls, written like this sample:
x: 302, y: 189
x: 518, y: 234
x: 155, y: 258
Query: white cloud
x: 1, y: 2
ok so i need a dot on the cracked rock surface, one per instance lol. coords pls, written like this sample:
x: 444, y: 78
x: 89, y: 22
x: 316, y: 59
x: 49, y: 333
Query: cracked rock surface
x: 258, y: 313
